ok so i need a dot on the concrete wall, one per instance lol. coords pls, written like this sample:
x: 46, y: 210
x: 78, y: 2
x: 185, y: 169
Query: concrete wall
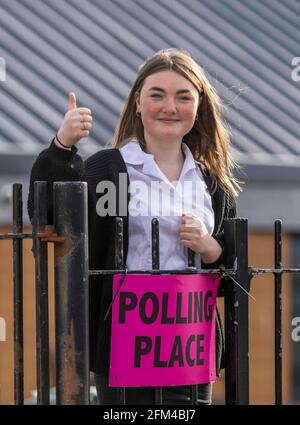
x: 262, y: 203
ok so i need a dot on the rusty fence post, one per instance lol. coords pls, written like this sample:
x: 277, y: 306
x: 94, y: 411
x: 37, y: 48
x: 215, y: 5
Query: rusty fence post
x: 41, y: 291
x: 278, y: 310
x: 158, y: 392
x: 119, y: 265
x: 71, y: 293
x: 18, y: 295
x: 236, y: 313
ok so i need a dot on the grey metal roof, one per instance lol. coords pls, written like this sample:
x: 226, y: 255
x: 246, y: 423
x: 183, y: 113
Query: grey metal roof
x: 94, y: 47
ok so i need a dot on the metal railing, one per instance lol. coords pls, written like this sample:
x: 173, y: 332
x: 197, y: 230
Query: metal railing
x: 70, y: 237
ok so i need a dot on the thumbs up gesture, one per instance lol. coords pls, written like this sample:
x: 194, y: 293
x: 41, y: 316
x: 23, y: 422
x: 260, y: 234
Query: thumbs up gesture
x: 76, y: 124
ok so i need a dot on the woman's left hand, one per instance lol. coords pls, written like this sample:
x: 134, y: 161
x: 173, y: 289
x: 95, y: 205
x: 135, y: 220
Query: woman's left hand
x: 193, y: 232
x: 194, y: 235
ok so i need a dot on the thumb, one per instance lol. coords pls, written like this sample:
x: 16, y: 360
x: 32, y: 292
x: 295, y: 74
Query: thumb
x: 72, y: 100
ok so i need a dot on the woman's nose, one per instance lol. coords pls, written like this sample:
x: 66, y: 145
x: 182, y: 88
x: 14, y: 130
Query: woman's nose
x: 169, y: 105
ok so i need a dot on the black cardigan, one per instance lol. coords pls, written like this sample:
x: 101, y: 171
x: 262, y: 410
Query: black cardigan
x: 56, y: 164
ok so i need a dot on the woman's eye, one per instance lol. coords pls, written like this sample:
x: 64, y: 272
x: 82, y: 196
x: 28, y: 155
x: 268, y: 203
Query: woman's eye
x: 184, y: 98
x: 155, y: 95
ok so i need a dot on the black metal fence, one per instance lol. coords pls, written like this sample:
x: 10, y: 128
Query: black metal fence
x: 70, y: 237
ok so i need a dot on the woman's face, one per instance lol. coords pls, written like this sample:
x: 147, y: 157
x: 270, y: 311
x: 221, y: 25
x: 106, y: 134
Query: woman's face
x: 168, y: 104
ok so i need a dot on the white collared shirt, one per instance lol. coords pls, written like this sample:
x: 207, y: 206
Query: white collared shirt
x: 153, y: 195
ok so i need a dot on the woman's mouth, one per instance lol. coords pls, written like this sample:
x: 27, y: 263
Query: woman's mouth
x: 168, y: 121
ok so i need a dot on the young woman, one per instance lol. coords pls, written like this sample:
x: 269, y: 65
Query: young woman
x: 170, y: 132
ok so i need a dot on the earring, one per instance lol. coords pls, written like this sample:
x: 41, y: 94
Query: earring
x: 196, y: 119
x: 138, y: 114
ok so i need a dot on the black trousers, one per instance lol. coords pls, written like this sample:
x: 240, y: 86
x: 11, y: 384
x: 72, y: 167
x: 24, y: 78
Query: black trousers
x: 145, y: 395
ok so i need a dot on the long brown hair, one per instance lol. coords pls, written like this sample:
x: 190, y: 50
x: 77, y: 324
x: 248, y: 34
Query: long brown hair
x: 208, y: 140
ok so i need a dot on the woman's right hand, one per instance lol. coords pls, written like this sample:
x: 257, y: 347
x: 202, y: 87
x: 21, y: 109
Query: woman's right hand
x: 77, y: 124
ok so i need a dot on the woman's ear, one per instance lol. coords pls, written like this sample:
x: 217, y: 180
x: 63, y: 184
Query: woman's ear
x: 200, y: 100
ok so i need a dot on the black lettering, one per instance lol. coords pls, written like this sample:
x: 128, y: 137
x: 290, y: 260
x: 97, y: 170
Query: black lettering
x: 191, y: 339
x: 179, y: 318
x: 124, y: 306
x: 208, y: 310
x: 164, y: 313
x: 139, y: 350
x: 155, y: 307
x: 198, y: 307
x: 190, y: 307
x: 157, y: 361
x: 199, y: 350
x: 176, y: 355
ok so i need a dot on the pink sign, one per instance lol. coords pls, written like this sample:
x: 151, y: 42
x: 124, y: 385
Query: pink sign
x: 163, y: 330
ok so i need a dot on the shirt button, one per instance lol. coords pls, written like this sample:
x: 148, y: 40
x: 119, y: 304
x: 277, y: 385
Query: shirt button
x: 72, y: 165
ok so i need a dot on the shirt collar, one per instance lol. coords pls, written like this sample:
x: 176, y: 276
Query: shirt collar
x: 134, y: 155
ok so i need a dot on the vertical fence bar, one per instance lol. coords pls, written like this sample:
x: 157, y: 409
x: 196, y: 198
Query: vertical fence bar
x: 155, y: 266
x: 236, y: 313
x: 155, y: 243
x: 191, y: 258
x: 71, y: 293
x: 278, y: 312
x: 119, y: 254
x: 18, y: 295
x: 119, y: 265
x: 193, y: 388
x: 194, y: 394
x: 41, y: 294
